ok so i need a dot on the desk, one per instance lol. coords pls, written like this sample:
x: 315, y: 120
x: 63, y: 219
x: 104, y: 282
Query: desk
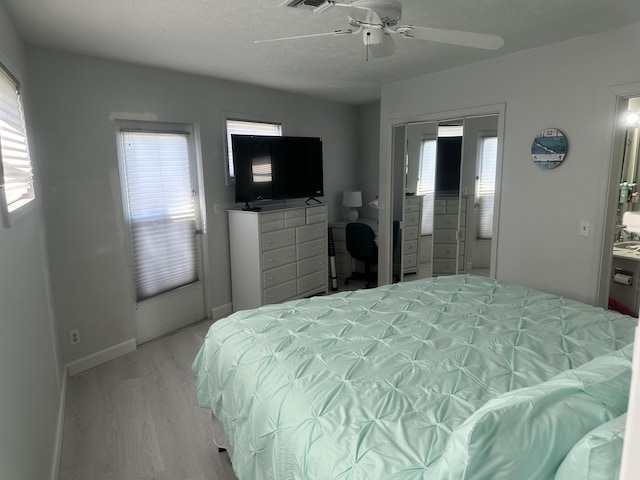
x: 344, y: 263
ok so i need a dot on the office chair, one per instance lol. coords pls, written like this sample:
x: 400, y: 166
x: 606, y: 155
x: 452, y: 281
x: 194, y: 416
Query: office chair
x: 361, y: 244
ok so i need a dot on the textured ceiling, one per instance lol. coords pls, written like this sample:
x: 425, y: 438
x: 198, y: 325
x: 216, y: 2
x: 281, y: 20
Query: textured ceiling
x: 213, y: 37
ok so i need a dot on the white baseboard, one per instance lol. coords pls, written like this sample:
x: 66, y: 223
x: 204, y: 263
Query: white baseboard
x: 57, y: 446
x: 98, y: 358
x: 221, y: 311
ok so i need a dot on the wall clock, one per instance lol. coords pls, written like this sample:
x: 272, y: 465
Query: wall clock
x: 549, y: 148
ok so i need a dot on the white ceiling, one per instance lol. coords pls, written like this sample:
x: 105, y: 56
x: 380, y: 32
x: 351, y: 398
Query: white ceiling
x: 215, y: 38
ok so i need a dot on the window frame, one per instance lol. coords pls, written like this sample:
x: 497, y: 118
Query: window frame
x: 426, y: 223
x: 241, y: 117
x: 482, y: 136
x: 193, y: 134
x: 26, y: 203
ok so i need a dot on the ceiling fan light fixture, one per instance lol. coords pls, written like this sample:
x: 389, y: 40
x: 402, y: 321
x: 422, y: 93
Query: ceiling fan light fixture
x: 373, y: 36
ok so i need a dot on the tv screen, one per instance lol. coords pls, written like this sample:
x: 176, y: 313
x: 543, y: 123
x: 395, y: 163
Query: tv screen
x: 276, y: 168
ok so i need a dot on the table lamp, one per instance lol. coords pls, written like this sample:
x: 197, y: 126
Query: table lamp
x: 352, y: 200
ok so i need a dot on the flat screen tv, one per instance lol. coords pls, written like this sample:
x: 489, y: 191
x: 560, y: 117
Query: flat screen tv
x: 277, y: 168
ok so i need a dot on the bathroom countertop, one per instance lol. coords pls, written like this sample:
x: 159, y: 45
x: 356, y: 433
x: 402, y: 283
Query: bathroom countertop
x: 626, y: 252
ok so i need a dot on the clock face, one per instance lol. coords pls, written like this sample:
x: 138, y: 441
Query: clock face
x: 549, y: 148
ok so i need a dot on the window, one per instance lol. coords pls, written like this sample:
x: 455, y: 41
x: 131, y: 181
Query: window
x: 426, y: 184
x: 243, y: 127
x: 486, y: 185
x: 159, y: 197
x: 16, y: 175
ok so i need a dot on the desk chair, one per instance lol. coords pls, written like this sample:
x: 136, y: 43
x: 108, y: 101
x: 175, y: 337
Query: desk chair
x: 361, y: 244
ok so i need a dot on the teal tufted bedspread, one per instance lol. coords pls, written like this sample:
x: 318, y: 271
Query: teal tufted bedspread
x: 369, y: 384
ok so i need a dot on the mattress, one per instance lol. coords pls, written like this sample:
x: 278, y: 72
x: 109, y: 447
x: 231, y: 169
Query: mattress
x: 371, y: 383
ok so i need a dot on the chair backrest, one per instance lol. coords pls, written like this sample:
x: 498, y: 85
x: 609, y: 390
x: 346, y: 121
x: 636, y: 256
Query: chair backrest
x: 361, y: 241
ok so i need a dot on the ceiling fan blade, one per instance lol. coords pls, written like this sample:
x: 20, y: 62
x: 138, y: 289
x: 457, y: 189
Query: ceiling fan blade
x: 384, y: 49
x: 454, y: 37
x: 311, y: 35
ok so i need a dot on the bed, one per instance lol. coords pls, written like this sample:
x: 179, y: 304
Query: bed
x: 450, y: 377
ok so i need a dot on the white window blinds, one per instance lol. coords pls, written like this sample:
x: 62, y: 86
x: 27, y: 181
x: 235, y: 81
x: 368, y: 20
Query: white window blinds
x: 426, y: 184
x: 243, y: 127
x: 161, y: 210
x: 486, y: 186
x: 15, y: 169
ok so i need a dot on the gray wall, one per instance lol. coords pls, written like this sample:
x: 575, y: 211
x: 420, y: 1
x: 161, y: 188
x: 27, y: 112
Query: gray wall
x: 566, y: 86
x: 368, y: 155
x: 30, y: 373
x: 76, y: 97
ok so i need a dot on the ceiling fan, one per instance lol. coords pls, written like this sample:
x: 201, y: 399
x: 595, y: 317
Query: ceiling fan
x: 377, y: 21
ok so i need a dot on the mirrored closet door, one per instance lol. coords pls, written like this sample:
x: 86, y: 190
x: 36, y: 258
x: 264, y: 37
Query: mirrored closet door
x: 444, y: 187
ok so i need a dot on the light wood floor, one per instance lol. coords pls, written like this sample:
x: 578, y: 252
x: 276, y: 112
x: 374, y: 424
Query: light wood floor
x: 136, y: 417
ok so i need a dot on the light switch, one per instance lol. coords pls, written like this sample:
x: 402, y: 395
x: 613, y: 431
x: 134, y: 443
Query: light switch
x: 584, y: 227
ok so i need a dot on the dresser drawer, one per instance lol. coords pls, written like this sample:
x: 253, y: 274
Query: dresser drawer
x: 411, y: 219
x: 452, y: 208
x: 276, y: 258
x: 445, y: 221
x: 312, y: 282
x: 311, y: 265
x: 275, y: 276
x: 444, y: 236
x: 310, y: 249
x: 410, y: 261
x: 310, y: 232
x: 268, y: 217
x: 412, y: 201
x: 412, y: 207
x: 272, y: 226
x: 279, y: 239
x: 410, y: 246
x: 294, y: 218
x: 445, y: 251
x: 411, y: 233
x: 280, y: 293
x: 316, y: 214
x: 444, y: 266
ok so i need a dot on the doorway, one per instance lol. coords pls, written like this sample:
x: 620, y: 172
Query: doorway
x: 622, y: 198
x: 163, y: 213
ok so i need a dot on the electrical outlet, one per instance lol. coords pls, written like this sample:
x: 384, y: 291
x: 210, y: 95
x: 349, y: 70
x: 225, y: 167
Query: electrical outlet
x: 74, y: 336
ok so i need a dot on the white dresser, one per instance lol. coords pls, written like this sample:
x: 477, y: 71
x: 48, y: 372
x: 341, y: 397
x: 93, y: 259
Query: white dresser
x: 411, y: 233
x: 277, y: 255
x: 446, y: 249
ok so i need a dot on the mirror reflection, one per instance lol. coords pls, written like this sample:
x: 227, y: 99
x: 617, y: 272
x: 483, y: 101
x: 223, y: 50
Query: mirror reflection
x: 625, y: 263
x: 443, y: 196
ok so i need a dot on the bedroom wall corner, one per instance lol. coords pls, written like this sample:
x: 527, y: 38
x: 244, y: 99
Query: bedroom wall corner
x: 33, y: 377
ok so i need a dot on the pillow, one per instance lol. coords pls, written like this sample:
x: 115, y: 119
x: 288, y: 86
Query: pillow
x: 597, y: 455
x: 526, y: 433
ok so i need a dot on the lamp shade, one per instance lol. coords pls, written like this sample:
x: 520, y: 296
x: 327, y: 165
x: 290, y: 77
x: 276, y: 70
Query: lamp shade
x: 352, y: 199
